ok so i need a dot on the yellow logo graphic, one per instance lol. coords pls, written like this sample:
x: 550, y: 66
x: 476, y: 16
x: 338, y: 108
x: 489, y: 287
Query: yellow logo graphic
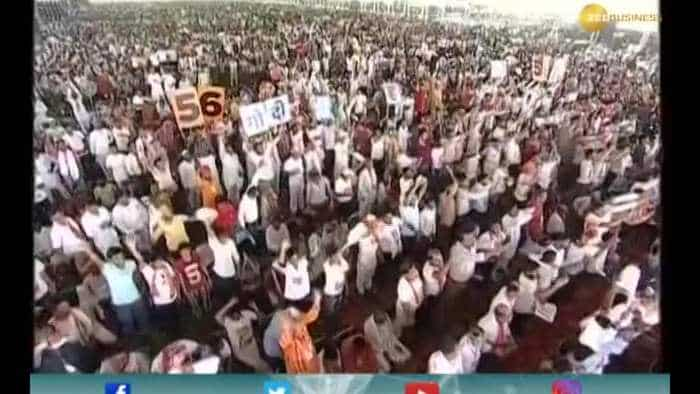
x: 593, y: 18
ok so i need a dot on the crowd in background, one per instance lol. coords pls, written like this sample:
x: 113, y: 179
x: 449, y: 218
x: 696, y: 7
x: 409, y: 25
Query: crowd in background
x: 144, y: 230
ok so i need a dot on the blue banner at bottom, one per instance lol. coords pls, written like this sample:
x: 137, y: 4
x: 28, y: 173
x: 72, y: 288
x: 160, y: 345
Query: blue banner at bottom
x: 350, y: 384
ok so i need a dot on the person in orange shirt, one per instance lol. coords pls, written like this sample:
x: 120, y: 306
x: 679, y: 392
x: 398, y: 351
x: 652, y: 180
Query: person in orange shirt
x: 208, y: 187
x: 298, y: 348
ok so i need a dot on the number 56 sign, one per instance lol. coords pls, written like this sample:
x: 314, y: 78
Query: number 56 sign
x: 194, y: 108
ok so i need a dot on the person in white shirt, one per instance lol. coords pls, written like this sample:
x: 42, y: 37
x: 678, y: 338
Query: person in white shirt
x: 585, y: 175
x: 428, y: 220
x: 294, y: 168
x: 366, y: 263
x: 121, y: 135
x: 464, y: 258
x: 447, y: 360
x: 115, y: 163
x: 492, y: 158
x: 131, y: 218
x: 223, y: 271
x: 295, y: 268
x: 164, y: 290
x: 410, y: 213
x: 434, y: 274
x: 512, y: 151
x: 410, y: 298
x: 237, y: 320
x: 319, y: 194
x: 133, y: 168
x: 69, y: 167
x: 470, y: 348
x: 99, y: 140
x: 66, y: 236
x: 232, y: 170
x: 342, y: 151
x: 389, y: 237
x: 161, y: 173
x: 276, y: 234
x: 190, y: 181
x: 512, y: 224
x: 344, y: 193
x: 335, y: 270
x: 548, y: 279
x: 479, y: 195
x: 366, y: 189
x: 497, y: 335
x: 92, y: 219
x: 507, y: 295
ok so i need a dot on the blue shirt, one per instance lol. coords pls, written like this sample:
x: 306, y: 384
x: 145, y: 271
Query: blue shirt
x: 271, y: 338
x: 121, y: 283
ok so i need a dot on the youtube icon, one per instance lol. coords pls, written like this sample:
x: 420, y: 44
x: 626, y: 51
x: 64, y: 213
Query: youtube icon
x: 422, y: 388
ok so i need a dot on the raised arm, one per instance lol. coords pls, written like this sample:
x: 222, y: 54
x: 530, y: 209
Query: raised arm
x: 219, y: 317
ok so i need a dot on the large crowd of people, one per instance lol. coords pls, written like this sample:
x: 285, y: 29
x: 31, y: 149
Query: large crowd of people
x: 448, y: 164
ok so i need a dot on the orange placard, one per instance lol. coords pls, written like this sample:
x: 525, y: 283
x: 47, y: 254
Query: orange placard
x: 212, y: 100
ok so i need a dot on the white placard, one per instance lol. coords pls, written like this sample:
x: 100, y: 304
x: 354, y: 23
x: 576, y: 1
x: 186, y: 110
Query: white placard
x: 259, y: 117
x: 546, y: 312
x: 392, y: 92
x: 558, y: 69
x: 499, y: 69
x: 322, y: 108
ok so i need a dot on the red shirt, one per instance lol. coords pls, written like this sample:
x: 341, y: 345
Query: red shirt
x: 192, y: 275
x: 226, y: 219
x: 421, y: 102
x: 363, y: 141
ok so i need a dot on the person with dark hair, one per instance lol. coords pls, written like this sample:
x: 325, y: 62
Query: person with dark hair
x: 410, y: 297
x: 224, y: 269
x: 447, y: 359
x: 129, y: 305
x: 496, y: 326
x: 295, y: 268
x: 59, y: 355
x: 358, y: 356
x: 296, y: 343
x: 237, y: 320
x: 330, y: 359
x: 470, y: 349
x: 194, y: 280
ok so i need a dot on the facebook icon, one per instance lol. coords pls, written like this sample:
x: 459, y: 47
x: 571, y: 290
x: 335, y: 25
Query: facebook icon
x: 117, y: 388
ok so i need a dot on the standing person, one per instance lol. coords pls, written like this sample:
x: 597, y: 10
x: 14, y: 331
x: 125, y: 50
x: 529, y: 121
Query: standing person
x: 446, y: 360
x: 115, y: 165
x: 366, y: 188
x: 344, y: 193
x: 127, y: 301
x: 208, y: 187
x: 189, y: 181
x: 193, y: 279
x: 463, y: 259
x: 223, y: 271
x: 295, y: 268
x: 335, y: 269
x: 389, y: 350
x: 232, y: 171
x: 366, y: 263
x: 172, y: 227
x: 164, y: 290
x: 238, y: 324
x: 297, y: 347
x: 130, y: 217
x: 447, y: 211
x: 410, y: 298
x: 275, y: 235
x: 294, y: 168
x: 496, y: 326
x: 68, y: 167
x: 66, y: 236
x: 249, y: 214
x: 470, y: 346
x: 99, y: 141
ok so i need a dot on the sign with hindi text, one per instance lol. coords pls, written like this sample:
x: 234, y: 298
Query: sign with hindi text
x: 259, y: 117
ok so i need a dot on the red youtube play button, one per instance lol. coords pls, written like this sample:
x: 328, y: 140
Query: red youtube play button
x: 422, y: 388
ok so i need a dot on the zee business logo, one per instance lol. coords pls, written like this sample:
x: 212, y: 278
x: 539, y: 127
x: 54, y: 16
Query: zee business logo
x: 594, y: 17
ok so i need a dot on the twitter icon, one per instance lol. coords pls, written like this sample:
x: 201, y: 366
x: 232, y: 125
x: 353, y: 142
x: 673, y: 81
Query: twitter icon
x: 277, y: 387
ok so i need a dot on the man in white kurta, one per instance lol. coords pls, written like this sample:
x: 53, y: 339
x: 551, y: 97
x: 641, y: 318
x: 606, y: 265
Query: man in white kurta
x: 366, y: 263
x: 294, y: 167
x: 410, y: 298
